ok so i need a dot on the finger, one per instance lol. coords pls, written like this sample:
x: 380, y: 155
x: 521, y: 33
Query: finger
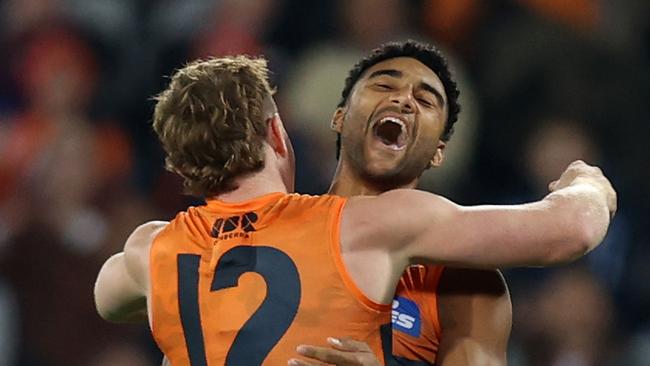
x: 551, y: 186
x: 325, y: 354
x: 598, y: 170
x: 348, y: 344
x: 298, y: 362
x: 613, y: 203
x: 577, y: 163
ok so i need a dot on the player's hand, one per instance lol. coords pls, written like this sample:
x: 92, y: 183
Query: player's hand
x: 344, y: 352
x: 580, y: 172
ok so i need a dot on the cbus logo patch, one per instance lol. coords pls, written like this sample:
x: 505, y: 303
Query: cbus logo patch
x: 406, y: 316
x: 234, y: 226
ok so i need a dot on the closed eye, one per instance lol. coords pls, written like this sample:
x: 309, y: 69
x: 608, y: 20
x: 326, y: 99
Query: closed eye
x: 425, y: 102
x: 384, y: 86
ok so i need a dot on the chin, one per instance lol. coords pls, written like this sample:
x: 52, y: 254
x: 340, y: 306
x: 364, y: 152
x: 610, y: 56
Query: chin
x: 386, y: 177
x: 382, y: 169
x: 392, y: 174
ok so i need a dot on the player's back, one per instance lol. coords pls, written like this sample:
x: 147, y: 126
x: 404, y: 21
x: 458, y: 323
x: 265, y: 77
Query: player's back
x: 245, y: 283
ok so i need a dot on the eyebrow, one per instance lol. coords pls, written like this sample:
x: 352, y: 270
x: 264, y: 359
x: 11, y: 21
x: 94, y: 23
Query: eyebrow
x: 433, y: 91
x: 398, y: 74
x: 390, y: 72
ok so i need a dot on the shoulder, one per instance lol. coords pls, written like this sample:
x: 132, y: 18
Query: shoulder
x: 143, y: 235
x: 399, y: 201
x: 396, y: 215
x: 307, y: 199
x: 305, y: 202
x: 136, y: 250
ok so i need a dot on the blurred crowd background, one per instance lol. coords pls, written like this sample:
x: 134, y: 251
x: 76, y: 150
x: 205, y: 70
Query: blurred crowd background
x: 543, y: 82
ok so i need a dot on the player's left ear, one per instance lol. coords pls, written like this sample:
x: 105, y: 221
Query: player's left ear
x: 276, y: 135
x: 439, y: 155
x: 337, y: 120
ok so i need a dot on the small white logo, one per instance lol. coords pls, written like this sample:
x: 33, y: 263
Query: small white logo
x: 403, y: 320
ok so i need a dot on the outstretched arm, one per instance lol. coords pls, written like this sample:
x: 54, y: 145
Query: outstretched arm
x: 122, y: 283
x: 475, y: 315
x: 416, y: 226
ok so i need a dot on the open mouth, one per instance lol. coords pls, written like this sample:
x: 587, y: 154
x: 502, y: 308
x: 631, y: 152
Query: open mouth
x: 391, y: 132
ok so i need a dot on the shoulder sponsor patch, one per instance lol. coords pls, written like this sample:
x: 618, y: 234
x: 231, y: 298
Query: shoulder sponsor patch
x: 406, y: 316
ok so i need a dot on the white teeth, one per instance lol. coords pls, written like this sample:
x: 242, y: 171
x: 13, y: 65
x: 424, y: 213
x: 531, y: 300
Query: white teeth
x: 392, y: 119
x: 395, y: 120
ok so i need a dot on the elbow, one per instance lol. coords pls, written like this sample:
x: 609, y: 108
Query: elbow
x: 113, y: 312
x: 106, y: 315
x: 582, y: 221
x: 589, y: 229
x: 117, y: 316
x: 103, y: 308
x: 101, y: 290
x: 583, y: 235
x: 129, y: 310
x: 105, y: 304
x: 563, y: 252
x: 104, y: 312
x: 568, y: 251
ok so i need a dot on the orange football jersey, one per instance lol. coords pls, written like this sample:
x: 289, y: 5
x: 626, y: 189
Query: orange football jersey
x: 416, y: 329
x: 245, y: 283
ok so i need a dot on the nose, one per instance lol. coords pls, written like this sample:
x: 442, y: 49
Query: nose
x: 404, y: 99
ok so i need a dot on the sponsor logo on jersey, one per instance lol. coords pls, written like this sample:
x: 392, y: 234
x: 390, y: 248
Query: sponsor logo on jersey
x: 406, y: 316
x: 234, y: 226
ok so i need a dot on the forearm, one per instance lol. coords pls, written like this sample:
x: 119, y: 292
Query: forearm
x: 558, y: 229
x: 585, y: 209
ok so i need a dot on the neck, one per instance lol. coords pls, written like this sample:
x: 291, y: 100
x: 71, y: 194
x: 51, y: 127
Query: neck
x: 347, y: 183
x: 253, y: 185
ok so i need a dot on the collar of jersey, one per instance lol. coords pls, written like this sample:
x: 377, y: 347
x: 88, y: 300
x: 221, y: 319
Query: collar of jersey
x: 251, y: 205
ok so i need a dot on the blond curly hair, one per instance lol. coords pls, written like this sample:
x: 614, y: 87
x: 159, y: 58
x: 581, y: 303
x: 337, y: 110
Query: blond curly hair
x: 211, y: 121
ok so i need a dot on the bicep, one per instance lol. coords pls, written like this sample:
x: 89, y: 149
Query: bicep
x: 414, y: 226
x: 118, y: 297
x: 475, y: 315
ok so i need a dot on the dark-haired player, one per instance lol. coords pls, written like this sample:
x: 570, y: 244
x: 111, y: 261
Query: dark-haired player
x: 247, y: 277
x: 396, y: 115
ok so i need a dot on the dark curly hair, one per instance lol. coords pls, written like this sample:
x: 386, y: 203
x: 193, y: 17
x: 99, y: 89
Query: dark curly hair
x: 426, y: 54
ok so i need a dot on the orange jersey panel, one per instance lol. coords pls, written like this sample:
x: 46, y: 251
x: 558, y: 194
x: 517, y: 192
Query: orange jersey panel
x: 416, y: 329
x: 245, y: 283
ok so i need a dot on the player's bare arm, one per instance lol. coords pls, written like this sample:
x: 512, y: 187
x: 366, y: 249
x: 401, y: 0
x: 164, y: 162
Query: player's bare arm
x: 416, y: 225
x: 475, y: 314
x: 123, y: 282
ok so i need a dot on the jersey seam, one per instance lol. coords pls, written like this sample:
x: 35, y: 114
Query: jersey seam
x: 436, y: 321
x: 335, y: 250
x: 152, y: 269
